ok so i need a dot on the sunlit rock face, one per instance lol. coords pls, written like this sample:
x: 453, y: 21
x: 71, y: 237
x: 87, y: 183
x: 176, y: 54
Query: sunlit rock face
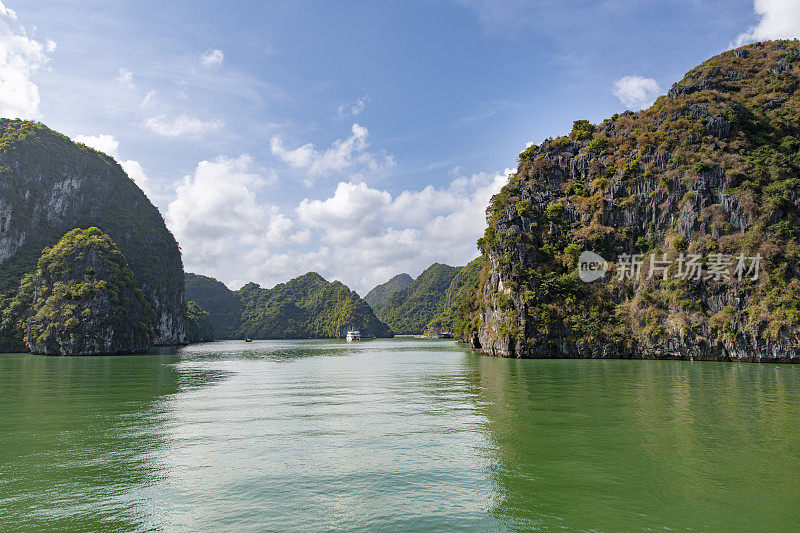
x: 710, y: 174
x: 50, y: 185
x: 85, y: 300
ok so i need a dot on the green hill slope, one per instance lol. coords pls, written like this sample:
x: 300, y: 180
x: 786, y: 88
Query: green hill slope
x: 306, y: 307
x: 218, y: 301
x: 377, y: 297
x: 409, y: 310
x: 466, y: 280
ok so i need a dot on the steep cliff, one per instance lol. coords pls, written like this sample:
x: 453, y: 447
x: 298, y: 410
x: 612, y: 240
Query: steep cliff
x: 709, y: 175
x: 85, y: 301
x: 50, y: 185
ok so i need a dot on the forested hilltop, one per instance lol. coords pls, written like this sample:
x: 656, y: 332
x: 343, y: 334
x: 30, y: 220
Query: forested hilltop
x: 427, y: 304
x: 709, y: 175
x: 50, y: 186
x: 305, y: 307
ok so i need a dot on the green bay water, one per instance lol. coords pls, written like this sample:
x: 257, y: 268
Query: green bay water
x: 394, y: 435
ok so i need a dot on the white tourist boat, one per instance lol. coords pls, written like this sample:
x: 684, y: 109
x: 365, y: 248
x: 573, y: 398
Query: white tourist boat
x: 353, y: 335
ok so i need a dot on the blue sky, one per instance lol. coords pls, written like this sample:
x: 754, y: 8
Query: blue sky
x: 358, y: 139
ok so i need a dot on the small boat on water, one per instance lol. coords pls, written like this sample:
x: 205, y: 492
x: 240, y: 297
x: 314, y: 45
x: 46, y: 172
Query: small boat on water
x: 353, y: 335
x: 248, y: 340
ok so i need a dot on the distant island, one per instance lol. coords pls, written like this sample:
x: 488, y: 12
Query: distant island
x: 305, y: 307
x: 667, y: 233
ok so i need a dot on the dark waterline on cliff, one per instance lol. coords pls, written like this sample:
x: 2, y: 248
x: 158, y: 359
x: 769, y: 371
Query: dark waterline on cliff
x: 394, y: 434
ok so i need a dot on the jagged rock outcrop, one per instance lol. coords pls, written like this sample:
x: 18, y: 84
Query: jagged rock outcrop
x: 85, y: 300
x: 50, y: 185
x: 709, y: 175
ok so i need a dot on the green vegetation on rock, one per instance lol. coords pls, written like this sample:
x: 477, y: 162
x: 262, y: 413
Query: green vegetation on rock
x: 448, y: 319
x: 219, y: 301
x: 50, y: 185
x: 306, y: 307
x: 86, y: 301
x: 408, y: 311
x: 378, y: 296
x: 710, y: 168
x: 199, y: 326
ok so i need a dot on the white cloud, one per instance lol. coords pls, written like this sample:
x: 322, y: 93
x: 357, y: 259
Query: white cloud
x: 636, y: 92
x: 351, y: 213
x: 212, y: 58
x: 369, y: 235
x: 348, y: 154
x: 219, y: 222
x: 358, y: 234
x: 354, y: 108
x: 20, y: 58
x: 109, y: 144
x: 183, y: 125
x: 778, y: 19
x: 125, y: 77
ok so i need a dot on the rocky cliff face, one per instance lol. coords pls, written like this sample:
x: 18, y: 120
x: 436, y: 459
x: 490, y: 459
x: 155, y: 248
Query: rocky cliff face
x: 693, y: 204
x: 50, y: 185
x: 85, y: 301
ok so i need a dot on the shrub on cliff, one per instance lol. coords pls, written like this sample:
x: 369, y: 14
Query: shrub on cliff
x: 85, y: 300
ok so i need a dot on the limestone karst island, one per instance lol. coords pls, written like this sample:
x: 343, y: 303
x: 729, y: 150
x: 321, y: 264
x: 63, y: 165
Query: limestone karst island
x: 357, y: 266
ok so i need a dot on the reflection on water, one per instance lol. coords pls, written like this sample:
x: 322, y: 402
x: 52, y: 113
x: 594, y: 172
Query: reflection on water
x: 394, y: 434
x: 624, y: 445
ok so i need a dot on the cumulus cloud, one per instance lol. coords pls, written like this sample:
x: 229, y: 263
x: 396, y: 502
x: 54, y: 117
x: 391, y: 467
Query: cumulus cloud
x: 20, y: 58
x: 359, y: 234
x: 370, y: 235
x: 183, y: 125
x: 220, y: 223
x: 636, y: 92
x: 778, y: 19
x: 212, y: 58
x: 353, y: 108
x: 348, y: 154
x: 353, y: 212
x: 108, y: 144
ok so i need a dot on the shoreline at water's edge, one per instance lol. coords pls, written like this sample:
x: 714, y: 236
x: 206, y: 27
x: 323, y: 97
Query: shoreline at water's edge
x: 643, y: 357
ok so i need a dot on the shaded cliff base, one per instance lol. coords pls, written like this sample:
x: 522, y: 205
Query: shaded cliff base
x: 786, y: 351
